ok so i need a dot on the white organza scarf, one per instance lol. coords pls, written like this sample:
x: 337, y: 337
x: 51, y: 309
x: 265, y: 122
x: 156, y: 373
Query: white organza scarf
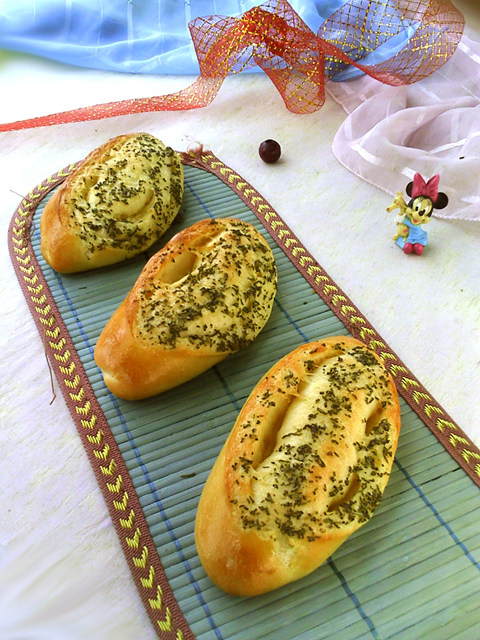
x: 431, y: 127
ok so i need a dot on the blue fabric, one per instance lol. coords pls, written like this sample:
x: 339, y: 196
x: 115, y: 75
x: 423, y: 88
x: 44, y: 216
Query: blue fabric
x: 146, y: 36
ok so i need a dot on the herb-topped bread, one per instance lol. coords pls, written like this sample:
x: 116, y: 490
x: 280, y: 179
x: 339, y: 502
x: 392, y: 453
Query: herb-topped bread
x: 305, y: 466
x: 207, y: 294
x: 115, y: 204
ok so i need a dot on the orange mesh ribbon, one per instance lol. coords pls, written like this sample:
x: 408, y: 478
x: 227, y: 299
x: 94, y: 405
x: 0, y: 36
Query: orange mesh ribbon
x: 299, y: 62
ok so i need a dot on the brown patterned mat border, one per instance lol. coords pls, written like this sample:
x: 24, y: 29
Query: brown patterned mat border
x: 102, y: 450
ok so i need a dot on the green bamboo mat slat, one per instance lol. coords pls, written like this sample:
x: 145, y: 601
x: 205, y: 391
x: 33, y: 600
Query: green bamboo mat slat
x: 411, y: 572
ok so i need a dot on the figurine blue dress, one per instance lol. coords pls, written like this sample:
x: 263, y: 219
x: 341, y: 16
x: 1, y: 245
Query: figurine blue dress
x: 415, y: 236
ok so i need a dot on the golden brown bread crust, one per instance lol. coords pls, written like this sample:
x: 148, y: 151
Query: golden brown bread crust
x: 115, y: 204
x: 304, y: 467
x: 205, y: 295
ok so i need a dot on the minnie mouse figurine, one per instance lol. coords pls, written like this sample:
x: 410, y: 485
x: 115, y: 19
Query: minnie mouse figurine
x: 424, y: 198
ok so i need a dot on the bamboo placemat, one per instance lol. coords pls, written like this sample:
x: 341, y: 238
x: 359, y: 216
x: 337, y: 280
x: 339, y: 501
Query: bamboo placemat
x: 413, y: 571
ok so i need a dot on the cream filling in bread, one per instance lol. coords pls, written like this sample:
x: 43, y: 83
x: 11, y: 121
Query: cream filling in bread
x: 215, y: 293
x: 324, y: 454
x: 129, y: 197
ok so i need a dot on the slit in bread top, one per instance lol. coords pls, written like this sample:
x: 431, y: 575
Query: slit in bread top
x: 323, y: 456
x: 211, y: 288
x: 126, y: 197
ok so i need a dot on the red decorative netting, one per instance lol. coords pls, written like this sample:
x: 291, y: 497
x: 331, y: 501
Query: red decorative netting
x: 408, y: 40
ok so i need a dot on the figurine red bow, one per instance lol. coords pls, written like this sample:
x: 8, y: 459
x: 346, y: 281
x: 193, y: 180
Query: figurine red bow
x: 428, y: 189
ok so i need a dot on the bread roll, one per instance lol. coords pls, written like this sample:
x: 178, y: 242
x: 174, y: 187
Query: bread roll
x: 205, y: 295
x: 303, y: 468
x: 114, y: 205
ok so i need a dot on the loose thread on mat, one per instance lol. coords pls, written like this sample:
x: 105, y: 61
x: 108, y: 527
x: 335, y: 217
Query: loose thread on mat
x: 50, y: 371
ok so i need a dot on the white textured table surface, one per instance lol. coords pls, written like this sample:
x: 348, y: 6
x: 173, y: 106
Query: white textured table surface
x: 427, y: 309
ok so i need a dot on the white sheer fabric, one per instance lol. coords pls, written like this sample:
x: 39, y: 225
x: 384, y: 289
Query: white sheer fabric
x: 431, y: 127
